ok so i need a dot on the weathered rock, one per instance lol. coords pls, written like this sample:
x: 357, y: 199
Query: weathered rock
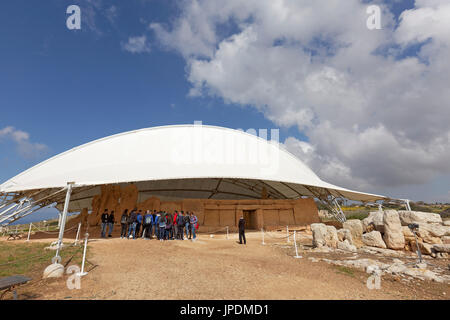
x: 445, y: 240
x: 407, y: 217
x: 373, y: 239
x: 345, y: 234
x: 426, y: 236
x: 436, y: 230
x: 345, y: 245
x: 446, y: 223
x: 355, y: 226
x: 393, y: 233
x: 384, y: 252
x: 442, y: 255
x: 55, y: 270
x: 319, y: 232
x: 374, y: 221
x: 441, y: 248
x: 407, y: 233
x: 425, y: 248
x: 331, y: 237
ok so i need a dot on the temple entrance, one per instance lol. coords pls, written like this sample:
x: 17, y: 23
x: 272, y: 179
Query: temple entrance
x: 250, y: 219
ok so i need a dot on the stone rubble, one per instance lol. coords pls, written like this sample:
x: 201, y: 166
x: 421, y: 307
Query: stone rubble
x: 386, y: 234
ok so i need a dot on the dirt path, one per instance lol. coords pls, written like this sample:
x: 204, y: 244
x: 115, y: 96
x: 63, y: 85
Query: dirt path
x: 216, y: 268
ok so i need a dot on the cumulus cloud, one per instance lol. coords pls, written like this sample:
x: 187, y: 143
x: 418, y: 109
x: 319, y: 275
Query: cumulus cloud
x: 374, y: 114
x: 137, y: 45
x: 25, y: 147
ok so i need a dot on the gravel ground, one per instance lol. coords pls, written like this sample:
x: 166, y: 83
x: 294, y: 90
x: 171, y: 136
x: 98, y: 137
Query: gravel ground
x: 217, y: 268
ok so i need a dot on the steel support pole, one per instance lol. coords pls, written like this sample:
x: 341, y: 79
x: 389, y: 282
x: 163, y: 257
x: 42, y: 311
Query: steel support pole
x: 63, y: 219
x: 29, y: 232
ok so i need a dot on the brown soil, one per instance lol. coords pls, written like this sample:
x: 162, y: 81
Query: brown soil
x: 217, y: 268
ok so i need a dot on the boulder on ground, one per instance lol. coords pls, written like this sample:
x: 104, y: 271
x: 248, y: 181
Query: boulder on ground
x: 393, y: 233
x: 446, y: 240
x: 355, y: 226
x: 319, y: 231
x: 55, y: 270
x: 373, y: 239
x: 408, y: 217
x: 446, y: 223
x: 345, y: 234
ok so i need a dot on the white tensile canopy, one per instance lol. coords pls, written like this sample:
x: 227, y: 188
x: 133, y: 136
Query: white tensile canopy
x: 181, y: 161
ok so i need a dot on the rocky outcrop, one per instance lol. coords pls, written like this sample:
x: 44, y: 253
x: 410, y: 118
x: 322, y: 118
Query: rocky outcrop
x: 373, y: 239
x: 393, y: 233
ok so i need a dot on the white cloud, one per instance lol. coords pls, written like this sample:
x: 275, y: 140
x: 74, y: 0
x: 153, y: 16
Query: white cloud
x: 374, y: 117
x: 137, y: 45
x: 24, y: 146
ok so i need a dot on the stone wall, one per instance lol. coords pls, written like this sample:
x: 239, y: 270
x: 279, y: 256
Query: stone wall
x: 212, y: 214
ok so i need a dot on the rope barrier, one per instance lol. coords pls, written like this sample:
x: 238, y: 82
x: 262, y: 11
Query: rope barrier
x: 218, y: 230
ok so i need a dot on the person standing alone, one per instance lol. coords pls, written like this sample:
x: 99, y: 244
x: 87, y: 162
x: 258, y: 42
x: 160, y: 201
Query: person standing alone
x: 193, y: 221
x: 242, y: 230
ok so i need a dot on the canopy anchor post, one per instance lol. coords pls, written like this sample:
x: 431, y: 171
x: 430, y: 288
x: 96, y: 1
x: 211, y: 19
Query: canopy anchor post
x: 63, y: 222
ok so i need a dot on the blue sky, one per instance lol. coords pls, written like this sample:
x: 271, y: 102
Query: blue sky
x: 68, y: 87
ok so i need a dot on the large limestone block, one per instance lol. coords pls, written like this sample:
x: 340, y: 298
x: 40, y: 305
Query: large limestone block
x: 407, y: 217
x: 393, y: 233
x: 355, y: 226
x: 436, y: 230
x: 319, y: 232
x: 345, y: 234
x: 407, y: 233
x: 373, y: 239
x: 427, y: 237
x: 373, y: 221
x: 442, y: 248
x: 331, y: 237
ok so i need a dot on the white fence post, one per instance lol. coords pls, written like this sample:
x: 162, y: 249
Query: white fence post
x: 78, y: 233
x: 29, y: 232
x: 227, y: 232
x: 82, y: 273
x: 295, y: 244
x: 262, y: 230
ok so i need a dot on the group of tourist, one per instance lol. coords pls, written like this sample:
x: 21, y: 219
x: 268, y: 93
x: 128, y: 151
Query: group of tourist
x: 161, y: 225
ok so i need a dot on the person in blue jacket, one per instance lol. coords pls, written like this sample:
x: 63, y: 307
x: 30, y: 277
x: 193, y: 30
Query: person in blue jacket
x: 155, y: 223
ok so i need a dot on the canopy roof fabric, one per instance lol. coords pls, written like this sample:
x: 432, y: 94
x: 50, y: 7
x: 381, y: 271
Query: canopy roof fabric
x: 184, y: 161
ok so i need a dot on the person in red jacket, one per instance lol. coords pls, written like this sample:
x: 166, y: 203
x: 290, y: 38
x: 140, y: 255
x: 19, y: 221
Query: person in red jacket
x: 175, y: 226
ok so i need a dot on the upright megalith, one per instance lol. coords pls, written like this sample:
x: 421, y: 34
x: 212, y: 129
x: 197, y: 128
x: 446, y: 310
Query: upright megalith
x: 393, y: 233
